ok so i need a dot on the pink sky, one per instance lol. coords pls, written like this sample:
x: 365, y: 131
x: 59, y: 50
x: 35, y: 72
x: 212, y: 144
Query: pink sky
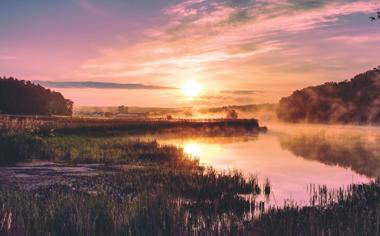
x: 268, y: 47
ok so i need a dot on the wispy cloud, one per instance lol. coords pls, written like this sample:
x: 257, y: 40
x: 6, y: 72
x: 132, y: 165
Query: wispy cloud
x: 90, y: 7
x: 98, y: 85
x: 243, y: 42
x: 240, y: 92
x: 202, y: 32
x: 7, y: 57
x: 356, y: 39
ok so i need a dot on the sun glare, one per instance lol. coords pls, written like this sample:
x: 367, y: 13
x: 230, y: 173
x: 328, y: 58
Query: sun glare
x: 191, y: 88
x: 192, y: 149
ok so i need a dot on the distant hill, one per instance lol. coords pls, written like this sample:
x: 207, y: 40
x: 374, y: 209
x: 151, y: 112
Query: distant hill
x: 354, y: 101
x: 25, y: 98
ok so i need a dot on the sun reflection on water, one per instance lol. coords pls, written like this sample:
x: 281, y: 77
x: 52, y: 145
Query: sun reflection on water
x: 292, y: 157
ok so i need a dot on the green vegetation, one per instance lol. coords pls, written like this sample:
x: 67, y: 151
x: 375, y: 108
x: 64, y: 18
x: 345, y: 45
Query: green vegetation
x: 25, y: 98
x: 77, y: 125
x: 147, y: 201
x: 353, y: 211
x: 87, y: 149
x: 143, y: 188
x: 78, y: 140
x: 354, y: 101
x: 182, y: 202
x: 157, y: 191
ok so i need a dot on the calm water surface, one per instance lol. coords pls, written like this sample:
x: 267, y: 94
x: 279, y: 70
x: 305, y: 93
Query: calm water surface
x: 293, y: 156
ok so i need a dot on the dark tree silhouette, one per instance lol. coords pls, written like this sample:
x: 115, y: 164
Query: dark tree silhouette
x: 354, y: 101
x: 122, y: 109
x: 25, y: 98
x: 232, y: 114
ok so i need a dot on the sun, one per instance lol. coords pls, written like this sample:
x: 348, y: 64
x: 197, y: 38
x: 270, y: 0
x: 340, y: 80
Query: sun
x: 191, y: 88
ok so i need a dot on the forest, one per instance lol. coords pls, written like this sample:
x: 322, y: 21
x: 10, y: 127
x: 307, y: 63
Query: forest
x: 19, y: 97
x: 355, y: 101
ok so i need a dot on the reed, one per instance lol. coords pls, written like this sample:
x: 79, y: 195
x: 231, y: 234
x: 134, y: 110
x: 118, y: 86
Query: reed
x: 156, y: 201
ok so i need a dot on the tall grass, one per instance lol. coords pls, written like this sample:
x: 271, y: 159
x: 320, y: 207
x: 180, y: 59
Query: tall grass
x: 140, y: 202
x: 16, y: 126
x: 179, y: 208
x: 88, y: 149
x: 170, y: 195
x: 352, y: 211
x: 75, y: 125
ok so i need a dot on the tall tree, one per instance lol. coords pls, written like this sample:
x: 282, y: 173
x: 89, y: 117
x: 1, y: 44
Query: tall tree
x: 25, y: 98
x: 353, y: 101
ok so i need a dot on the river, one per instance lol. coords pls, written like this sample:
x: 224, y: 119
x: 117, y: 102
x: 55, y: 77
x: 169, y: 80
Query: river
x: 293, y: 156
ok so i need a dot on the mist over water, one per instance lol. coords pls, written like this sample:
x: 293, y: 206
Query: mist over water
x: 292, y: 156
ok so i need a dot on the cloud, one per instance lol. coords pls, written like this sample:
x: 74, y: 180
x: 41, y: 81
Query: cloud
x: 7, y: 57
x: 240, y: 92
x: 241, y: 43
x: 99, y: 85
x: 90, y: 7
x: 356, y: 39
x: 200, y: 33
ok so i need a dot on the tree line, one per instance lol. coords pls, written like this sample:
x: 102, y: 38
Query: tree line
x: 353, y: 101
x: 25, y: 98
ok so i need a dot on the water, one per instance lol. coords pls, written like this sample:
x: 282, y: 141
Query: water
x: 293, y: 156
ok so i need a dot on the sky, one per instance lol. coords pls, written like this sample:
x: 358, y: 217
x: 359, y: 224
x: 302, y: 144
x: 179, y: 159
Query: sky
x: 141, y: 52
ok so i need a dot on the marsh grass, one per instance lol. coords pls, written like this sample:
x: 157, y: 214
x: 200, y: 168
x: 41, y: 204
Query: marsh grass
x: 10, y: 125
x: 171, y: 194
x: 182, y: 202
x: 153, y: 201
x: 88, y: 149
x: 85, y: 140
x: 47, y: 125
x: 346, y: 211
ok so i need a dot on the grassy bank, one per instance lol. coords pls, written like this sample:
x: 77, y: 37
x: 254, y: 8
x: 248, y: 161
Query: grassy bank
x: 76, y: 125
x: 153, y: 201
x: 84, y: 140
x: 87, y: 149
x: 181, y: 203
x: 168, y: 194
